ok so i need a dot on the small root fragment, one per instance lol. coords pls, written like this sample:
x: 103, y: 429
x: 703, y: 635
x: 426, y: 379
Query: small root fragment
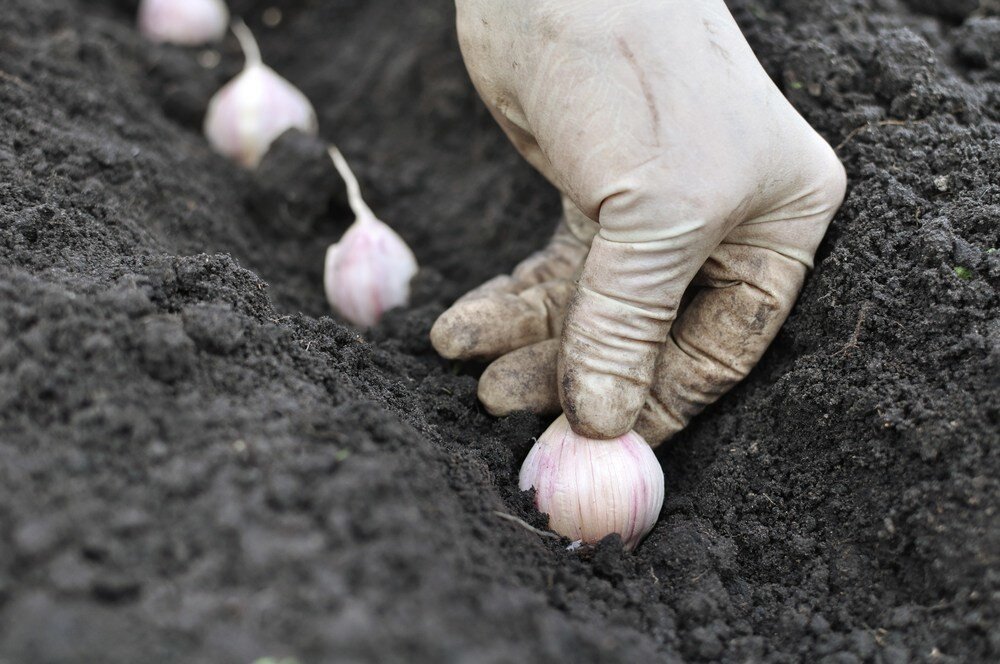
x: 524, y: 524
x: 853, y: 342
x: 882, y: 123
x: 11, y: 78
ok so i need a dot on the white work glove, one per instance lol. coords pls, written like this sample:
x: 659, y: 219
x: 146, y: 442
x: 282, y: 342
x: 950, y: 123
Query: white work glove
x: 683, y: 170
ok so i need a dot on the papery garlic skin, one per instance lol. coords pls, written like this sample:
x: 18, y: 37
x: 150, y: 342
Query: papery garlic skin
x: 369, y: 271
x: 183, y: 22
x: 593, y: 488
x: 255, y: 108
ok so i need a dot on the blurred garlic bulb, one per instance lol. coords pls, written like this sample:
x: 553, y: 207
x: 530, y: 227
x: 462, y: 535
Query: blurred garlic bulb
x: 255, y: 108
x: 593, y: 488
x: 183, y: 22
x: 369, y: 271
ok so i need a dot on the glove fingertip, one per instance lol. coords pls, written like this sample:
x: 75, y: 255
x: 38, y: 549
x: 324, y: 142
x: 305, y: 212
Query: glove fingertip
x: 523, y: 380
x: 452, y: 335
x: 601, y: 407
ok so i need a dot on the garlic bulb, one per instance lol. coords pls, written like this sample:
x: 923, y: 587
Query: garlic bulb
x: 593, y: 488
x: 256, y: 107
x: 183, y: 22
x: 369, y: 271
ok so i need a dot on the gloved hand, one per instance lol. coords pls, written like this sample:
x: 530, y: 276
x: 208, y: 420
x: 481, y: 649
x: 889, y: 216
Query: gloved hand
x: 683, y: 170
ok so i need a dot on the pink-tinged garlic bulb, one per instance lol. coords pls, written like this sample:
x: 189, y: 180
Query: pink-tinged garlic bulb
x: 369, y: 271
x: 255, y: 108
x: 593, y: 488
x: 183, y: 22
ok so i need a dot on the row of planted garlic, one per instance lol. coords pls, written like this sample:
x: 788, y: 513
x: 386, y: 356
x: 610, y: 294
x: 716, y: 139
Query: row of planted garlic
x: 369, y: 271
x: 589, y: 488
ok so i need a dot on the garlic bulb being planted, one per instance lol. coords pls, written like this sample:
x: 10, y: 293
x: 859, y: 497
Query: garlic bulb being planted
x: 593, y: 488
x: 369, y: 271
x: 256, y: 107
x: 183, y: 22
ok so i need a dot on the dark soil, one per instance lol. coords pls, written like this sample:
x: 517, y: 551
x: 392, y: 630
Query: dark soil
x: 198, y: 464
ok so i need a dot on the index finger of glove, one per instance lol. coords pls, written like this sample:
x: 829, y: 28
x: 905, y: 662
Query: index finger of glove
x: 492, y: 324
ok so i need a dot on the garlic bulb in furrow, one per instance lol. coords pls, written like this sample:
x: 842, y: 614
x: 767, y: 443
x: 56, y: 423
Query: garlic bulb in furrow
x: 255, y: 108
x: 593, y: 488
